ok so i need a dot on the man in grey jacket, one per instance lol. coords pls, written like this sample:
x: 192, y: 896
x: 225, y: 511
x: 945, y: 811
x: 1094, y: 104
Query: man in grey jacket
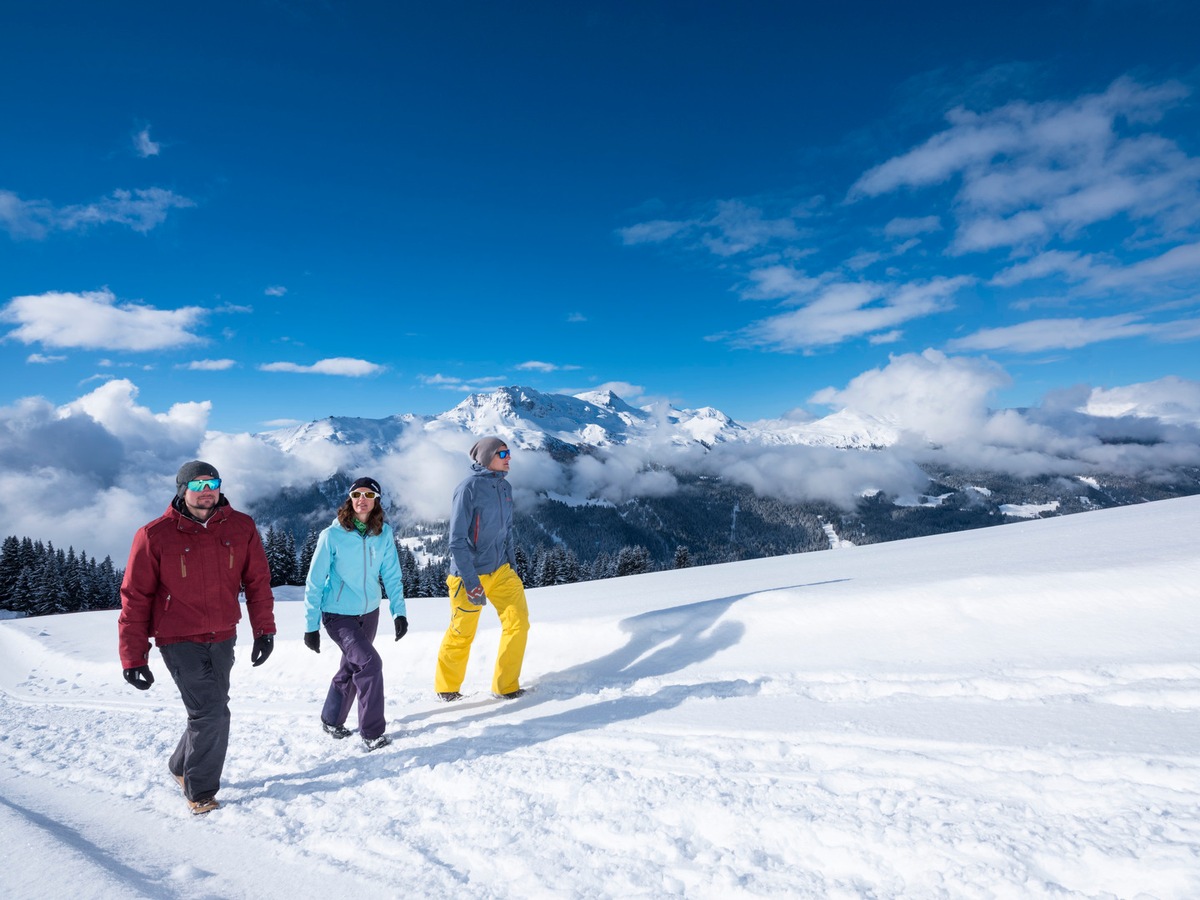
x: 482, y: 569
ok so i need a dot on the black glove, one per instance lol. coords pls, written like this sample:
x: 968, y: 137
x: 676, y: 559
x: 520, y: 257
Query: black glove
x: 476, y: 596
x: 263, y: 645
x: 140, y: 677
x: 312, y: 640
x: 401, y: 626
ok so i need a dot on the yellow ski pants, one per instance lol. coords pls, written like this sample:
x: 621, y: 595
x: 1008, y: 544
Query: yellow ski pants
x: 506, y: 593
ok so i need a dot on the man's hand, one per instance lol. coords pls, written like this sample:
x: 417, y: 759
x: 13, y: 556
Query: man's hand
x: 401, y: 626
x: 263, y: 645
x: 140, y: 677
x: 476, y: 595
x: 312, y: 640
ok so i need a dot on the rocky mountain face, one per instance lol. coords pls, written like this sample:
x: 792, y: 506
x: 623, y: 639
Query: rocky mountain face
x: 716, y: 518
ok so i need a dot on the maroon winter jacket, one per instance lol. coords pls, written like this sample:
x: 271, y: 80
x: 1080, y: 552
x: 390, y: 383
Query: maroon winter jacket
x: 183, y: 579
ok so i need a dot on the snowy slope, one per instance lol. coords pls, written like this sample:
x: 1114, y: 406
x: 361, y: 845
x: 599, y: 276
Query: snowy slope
x: 1011, y: 712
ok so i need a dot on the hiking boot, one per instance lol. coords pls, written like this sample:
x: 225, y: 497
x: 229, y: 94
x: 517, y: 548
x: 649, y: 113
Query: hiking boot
x: 511, y: 695
x: 376, y: 742
x: 337, y: 731
x: 449, y: 696
x: 203, y: 807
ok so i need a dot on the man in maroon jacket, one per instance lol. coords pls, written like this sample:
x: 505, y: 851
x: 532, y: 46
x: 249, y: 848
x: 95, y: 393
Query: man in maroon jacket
x: 181, y: 586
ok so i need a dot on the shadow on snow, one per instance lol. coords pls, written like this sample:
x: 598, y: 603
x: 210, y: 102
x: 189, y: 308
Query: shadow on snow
x: 660, y: 643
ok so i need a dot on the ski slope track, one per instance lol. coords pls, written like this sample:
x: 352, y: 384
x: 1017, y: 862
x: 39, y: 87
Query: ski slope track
x: 1010, y: 712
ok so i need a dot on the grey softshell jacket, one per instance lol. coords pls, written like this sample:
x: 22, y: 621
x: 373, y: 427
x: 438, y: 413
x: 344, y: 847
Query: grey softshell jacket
x: 481, y: 515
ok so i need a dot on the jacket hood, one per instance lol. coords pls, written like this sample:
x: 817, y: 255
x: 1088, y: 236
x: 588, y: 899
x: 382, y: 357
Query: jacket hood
x: 484, y: 470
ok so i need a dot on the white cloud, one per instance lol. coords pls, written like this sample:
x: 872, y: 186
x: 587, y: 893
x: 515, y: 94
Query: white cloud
x: 208, y: 365
x: 937, y: 397
x: 1070, y: 265
x: 144, y: 146
x: 141, y: 210
x: 534, y: 365
x: 633, y: 394
x: 99, y: 459
x: 734, y: 227
x: 1056, y: 334
x: 906, y: 228
x: 847, y: 310
x: 1182, y: 262
x: 113, y: 406
x: 738, y: 227
x: 654, y: 232
x: 778, y: 281
x: 94, y: 320
x: 338, y: 365
x: 41, y: 358
x: 1030, y: 172
x: 275, y: 290
x: 466, y: 385
x: 1171, y: 399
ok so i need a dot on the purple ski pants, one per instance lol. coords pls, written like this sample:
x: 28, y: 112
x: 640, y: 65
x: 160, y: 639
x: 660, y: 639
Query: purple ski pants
x: 359, y: 676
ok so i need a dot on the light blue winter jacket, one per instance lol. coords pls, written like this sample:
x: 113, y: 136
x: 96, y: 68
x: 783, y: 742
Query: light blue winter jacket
x: 345, y: 572
x: 481, y: 536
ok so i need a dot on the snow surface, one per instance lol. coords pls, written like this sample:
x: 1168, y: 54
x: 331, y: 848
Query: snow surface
x: 1009, y: 712
x: 1028, y: 510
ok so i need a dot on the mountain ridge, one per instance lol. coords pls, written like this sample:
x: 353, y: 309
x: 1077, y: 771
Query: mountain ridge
x: 532, y: 419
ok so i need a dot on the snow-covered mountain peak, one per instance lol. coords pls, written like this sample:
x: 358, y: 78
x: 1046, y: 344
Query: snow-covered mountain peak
x: 523, y: 414
x: 846, y: 429
x: 533, y: 420
x: 343, y: 430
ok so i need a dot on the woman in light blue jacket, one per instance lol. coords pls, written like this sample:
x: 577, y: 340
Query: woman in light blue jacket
x: 353, y: 556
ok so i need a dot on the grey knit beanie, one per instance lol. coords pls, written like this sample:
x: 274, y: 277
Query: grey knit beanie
x: 194, y: 469
x: 485, y: 449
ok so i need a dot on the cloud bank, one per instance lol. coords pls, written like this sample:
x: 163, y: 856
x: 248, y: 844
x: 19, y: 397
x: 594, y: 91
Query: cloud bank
x: 103, y: 465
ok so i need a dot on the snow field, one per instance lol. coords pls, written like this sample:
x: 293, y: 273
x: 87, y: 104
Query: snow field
x: 1013, y: 712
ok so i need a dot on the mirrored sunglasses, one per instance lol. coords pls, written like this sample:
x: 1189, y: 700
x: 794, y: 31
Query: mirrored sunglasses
x: 204, y: 484
x: 503, y: 454
x: 370, y: 495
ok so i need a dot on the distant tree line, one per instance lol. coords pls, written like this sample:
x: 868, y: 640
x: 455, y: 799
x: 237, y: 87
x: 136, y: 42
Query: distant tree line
x: 290, y: 565
x: 37, y: 579
x: 537, y: 566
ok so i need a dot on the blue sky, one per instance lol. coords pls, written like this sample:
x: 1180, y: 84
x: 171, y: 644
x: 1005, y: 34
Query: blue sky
x: 288, y: 210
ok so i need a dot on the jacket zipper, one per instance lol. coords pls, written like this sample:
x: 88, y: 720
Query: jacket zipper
x: 364, y: 593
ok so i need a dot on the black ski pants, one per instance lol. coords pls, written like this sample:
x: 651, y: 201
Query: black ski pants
x: 201, y: 672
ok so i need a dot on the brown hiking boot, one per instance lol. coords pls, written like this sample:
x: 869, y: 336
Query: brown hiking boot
x: 203, y: 807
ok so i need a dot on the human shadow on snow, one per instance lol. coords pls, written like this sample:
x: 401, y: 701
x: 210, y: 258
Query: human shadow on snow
x: 660, y: 643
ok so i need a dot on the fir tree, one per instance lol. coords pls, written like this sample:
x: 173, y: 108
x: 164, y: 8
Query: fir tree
x: 410, y: 577
x: 633, y: 561
x: 289, y: 551
x: 23, y: 593
x: 523, y: 566
x: 306, y: 555
x: 10, y: 569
